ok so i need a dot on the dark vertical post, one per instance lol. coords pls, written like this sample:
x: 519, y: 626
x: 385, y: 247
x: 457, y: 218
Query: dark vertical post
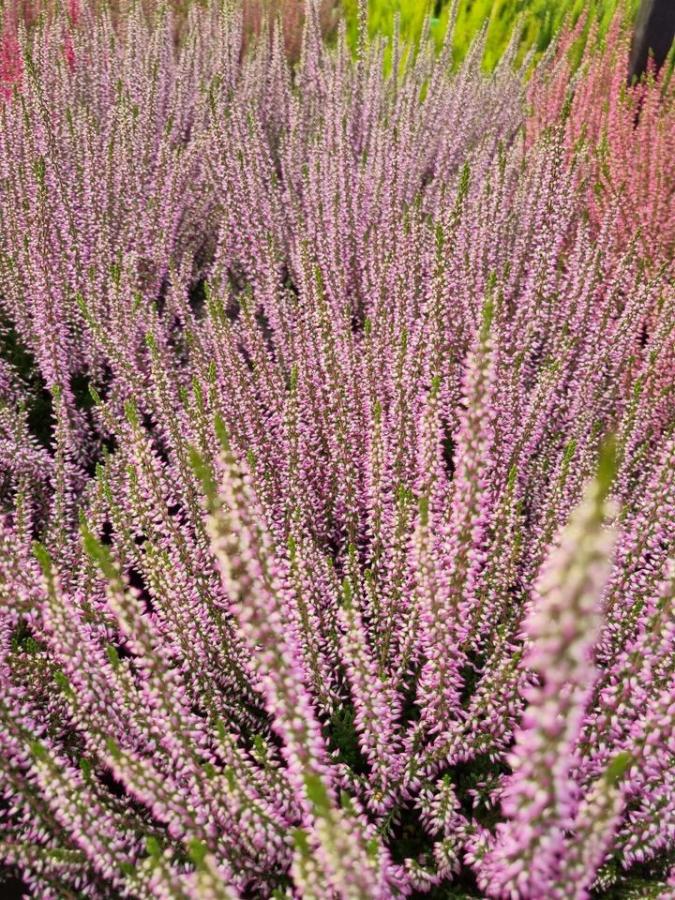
x: 654, y: 30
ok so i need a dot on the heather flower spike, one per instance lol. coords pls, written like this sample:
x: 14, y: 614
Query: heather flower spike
x: 560, y: 630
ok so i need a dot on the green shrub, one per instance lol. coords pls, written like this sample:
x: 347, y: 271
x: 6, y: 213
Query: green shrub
x: 539, y: 19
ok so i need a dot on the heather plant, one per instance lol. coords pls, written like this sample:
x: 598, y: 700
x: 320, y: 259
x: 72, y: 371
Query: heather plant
x: 255, y: 14
x: 536, y: 22
x: 621, y: 137
x: 337, y: 463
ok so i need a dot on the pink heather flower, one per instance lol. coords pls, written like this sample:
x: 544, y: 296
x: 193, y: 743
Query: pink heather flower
x: 69, y: 51
x: 74, y: 11
x: 606, y: 123
x: 540, y: 797
x: 11, y: 61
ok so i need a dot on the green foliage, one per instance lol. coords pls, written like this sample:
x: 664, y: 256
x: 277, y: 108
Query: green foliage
x: 344, y: 738
x: 23, y: 642
x: 39, y: 409
x: 646, y: 880
x: 539, y: 19
x: 317, y: 794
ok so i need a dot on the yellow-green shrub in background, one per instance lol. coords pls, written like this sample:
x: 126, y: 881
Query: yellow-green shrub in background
x: 538, y: 19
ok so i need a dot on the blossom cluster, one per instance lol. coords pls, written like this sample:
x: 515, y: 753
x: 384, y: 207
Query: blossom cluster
x: 337, y: 451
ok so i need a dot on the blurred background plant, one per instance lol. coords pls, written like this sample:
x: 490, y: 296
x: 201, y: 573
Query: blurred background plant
x: 622, y: 138
x: 291, y: 13
x: 539, y: 20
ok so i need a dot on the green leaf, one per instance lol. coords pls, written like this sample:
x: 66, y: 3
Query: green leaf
x: 317, y: 793
x: 41, y: 554
x: 222, y: 433
x: 617, y: 767
x: 204, y: 473
x: 99, y: 554
x: 607, y: 464
x: 131, y: 413
x: 113, y: 748
x: 488, y: 311
x: 153, y: 847
x: 62, y: 682
x: 301, y: 841
x: 464, y: 179
x: 197, y: 851
x: 81, y: 304
x: 347, y: 593
x: 39, y: 750
x: 39, y: 169
x: 95, y: 396
x: 423, y: 504
x: 570, y: 447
